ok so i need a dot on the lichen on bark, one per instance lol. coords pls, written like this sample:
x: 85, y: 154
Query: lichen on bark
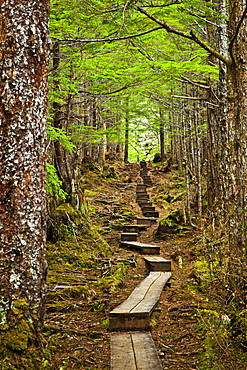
x: 23, y: 90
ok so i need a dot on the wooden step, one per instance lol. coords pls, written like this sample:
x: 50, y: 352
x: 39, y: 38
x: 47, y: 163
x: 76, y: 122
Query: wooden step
x: 134, y: 228
x: 134, y: 351
x: 144, y: 171
x: 139, y: 192
x: 130, y: 228
x: 142, y: 200
x: 154, y: 214
x: 145, y: 204
x: 142, y: 227
x: 146, y: 180
x: 135, y: 312
x: 148, y: 184
x: 148, y: 209
x: 146, y: 221
x: 143, y: 164
x: 142, y: 248
x: 143, y: 194
x: 129, y: 236
x: 157, y: 263
x: 141, y: 188
x: 146, y: 177
x: 144, y: 168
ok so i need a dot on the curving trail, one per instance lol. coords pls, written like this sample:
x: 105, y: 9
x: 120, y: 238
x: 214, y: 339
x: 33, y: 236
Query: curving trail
x: 132, y: 345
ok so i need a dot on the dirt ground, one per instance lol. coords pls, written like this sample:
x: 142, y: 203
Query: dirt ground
x: 77, y: 326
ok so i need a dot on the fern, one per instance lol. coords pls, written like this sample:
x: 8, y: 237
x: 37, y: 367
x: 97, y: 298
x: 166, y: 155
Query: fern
x: 53, y: 184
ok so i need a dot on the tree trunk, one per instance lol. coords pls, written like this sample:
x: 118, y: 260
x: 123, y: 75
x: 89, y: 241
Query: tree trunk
x: 126, y: 136
x: 162, y: 137
x: 23, y: 90
x: 59, y: 117
x: 237, y: 128
x: 217, y: 117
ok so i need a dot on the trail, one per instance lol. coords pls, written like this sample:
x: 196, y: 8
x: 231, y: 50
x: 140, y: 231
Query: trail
x: 173, y: 333
x: 77, y: 328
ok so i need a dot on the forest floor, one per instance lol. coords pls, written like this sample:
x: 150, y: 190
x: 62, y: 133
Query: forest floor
x: 82, y: 295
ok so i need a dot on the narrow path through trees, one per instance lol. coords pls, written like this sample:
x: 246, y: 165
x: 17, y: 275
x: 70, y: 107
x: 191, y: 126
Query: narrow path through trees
x: 136, y: 350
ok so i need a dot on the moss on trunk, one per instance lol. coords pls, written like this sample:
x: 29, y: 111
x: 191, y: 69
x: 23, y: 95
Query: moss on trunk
x: 21, y: 347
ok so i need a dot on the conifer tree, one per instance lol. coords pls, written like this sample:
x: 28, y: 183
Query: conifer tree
x: 23, y: 91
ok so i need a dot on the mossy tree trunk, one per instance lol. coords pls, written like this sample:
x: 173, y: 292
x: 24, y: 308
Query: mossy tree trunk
x: 23, y: 90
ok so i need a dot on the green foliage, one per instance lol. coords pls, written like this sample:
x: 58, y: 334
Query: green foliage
x: 145, y: 69
x: 53, y: 184
x: 57, y: 134
x: 215, y: 330
x: 111, y: 282
x: 214, y: 334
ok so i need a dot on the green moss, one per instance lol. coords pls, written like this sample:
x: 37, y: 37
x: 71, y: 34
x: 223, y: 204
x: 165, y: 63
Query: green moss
x: 173, y: 218
x: 170, y: 224
x: 167, y: 198
x: 110, y: 283
x: 79, y: 291
x: 78, y: 241
x: 99, y: 305
x: 21, y: 303
x: 21, y: 343
x: 16, y: 339
x: 239, y: 328
x: 105, y: 324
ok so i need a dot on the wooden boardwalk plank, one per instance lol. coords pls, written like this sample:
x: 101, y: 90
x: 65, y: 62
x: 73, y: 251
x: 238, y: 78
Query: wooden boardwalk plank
x: 147, y: 221
x: 135, y: 312
x: 145, y: 204
x: 153, y: 294
x: 134, y: 351
x: 136, y: 296
x: 129, y: 236
x: 130, y: 228
x: 148, y: 209
x: 150, y: 214
x: 122, y: 353
x: 145, y: 352
x: 157, y: 263
x: 141, y: 247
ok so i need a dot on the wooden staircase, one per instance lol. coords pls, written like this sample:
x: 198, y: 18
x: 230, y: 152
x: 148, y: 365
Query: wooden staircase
x: 132, y: 346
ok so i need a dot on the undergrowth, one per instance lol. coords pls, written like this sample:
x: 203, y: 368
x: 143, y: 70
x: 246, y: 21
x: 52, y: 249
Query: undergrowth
x: 218, y: 288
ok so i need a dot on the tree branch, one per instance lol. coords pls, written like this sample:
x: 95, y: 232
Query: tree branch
x: 161, y: 5
x: 191, y: 36
x: 194, y: 83
x: 140, y: 49
x: 110, y: 39
x: 187, y: 97
x: 107, y: 93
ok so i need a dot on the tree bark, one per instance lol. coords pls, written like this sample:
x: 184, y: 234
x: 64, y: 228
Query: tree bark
x: 162, y: 137
x: 126, y: 134
x: 58, y: 122
x: 23, y: 90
